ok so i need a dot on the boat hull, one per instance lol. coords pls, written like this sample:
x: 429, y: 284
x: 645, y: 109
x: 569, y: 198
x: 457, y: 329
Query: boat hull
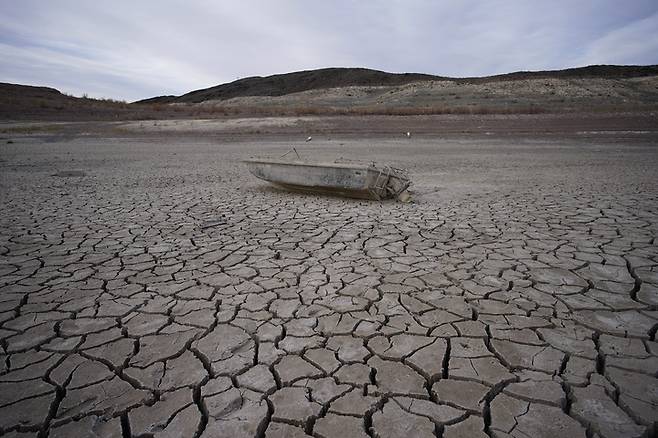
x: 350, y: 180
x: 332, y: 191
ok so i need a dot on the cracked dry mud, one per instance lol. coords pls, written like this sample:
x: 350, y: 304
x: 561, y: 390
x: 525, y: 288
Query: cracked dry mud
x: 160, y: 291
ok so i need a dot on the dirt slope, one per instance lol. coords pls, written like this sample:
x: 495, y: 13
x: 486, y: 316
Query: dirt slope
x: 282, y: 84
x: 289, y: 83
x: 357, y: 91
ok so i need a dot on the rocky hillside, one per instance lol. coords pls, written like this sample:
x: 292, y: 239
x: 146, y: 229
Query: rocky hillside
x: 26, y: 102
x: 328, y: 78
x: 20, y: 102
x: 358, y: 91
x: 288, y: 83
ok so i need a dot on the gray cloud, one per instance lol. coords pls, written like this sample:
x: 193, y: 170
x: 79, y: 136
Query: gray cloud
x: 131, y: 50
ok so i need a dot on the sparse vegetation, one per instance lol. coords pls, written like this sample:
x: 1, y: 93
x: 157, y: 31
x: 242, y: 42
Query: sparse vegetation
x: 548, y: 92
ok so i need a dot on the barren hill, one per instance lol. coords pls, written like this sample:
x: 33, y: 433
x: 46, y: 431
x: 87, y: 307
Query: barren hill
x: 288, y: 83
x: 20, y: 102
x: 327, y: 78
x: 359, y: 91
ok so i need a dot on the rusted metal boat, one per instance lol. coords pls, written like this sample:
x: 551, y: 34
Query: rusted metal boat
x: 349, y: 179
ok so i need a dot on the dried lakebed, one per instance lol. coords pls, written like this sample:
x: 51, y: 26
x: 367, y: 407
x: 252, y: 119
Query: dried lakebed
x: 151, y: 287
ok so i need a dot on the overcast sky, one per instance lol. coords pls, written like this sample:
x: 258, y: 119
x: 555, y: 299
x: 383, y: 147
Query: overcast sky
x: 133, y: 49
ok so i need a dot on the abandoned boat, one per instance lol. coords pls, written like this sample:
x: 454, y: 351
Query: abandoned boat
x: 353, y: 180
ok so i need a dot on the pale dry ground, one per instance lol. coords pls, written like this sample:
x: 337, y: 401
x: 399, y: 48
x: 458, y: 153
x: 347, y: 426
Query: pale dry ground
x: 207, y: 126
x: 151, y: 287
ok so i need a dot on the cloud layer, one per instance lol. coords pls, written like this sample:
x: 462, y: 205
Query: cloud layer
x: 136, y: 49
